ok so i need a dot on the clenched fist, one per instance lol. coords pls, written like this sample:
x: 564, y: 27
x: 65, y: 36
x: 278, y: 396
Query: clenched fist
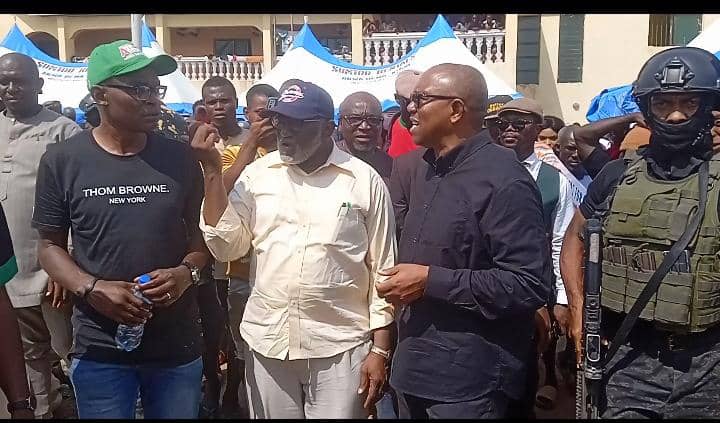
x: 204, y: 137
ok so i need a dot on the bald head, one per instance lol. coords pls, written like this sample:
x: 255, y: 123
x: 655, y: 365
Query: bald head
x: 364, y: 100
x: 20, y: 85
x: 20, y: 62
x: 462, y: 81
x: 361, y: 122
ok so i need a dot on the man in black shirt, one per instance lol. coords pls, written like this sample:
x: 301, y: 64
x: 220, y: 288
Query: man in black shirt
x: 132, y: 201
x: 667, y: 365
x: 360, y: 125
x: 472, y: 256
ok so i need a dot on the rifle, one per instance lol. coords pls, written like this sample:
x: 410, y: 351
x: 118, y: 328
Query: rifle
x: 587, y: 390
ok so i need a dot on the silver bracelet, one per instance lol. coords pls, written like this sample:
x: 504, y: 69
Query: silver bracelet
x: 381, y: 352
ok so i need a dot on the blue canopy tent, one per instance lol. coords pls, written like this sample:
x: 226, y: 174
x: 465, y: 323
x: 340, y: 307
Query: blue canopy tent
x: 66, y: 82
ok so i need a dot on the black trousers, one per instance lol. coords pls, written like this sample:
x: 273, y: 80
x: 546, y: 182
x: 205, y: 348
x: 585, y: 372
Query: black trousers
x: 490, y: 406
x: 652, y: 377
x: 524, y: 407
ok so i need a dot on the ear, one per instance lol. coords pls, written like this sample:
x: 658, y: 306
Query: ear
x: 458, y: 109
x: 329, y: 127
x: 41, y: 83
x: 99, y: 95
x: 245, y: 111
x: 556, y: 149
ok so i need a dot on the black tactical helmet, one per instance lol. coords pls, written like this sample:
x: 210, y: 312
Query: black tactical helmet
x: 87, y: 104
x: 678, y: 69
x: 89, y: 107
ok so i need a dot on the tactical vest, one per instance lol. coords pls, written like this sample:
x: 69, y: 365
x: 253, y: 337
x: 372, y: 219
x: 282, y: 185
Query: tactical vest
x: 645, y: 218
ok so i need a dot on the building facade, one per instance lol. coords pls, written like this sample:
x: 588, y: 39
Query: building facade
x: 563, y: 61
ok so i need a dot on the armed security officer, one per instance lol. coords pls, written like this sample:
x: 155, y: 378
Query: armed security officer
x: 669, y: 364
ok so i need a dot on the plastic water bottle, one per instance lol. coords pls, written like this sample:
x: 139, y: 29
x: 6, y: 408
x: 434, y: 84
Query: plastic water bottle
x: 128, y: 337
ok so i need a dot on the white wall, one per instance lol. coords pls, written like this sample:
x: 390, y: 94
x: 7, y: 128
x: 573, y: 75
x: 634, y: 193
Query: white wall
x: 615, y: 48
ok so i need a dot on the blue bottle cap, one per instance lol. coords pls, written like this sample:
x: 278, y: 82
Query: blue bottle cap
x: 143, y: 279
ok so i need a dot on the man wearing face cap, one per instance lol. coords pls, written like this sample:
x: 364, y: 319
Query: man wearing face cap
x: 320, y: 224
x: 659, y: 215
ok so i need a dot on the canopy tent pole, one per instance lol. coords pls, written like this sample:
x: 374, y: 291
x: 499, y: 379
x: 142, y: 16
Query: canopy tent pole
x: 136, y: 29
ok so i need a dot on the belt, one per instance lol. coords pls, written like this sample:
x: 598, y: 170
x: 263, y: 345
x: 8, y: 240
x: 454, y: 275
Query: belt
x: 666, y: 341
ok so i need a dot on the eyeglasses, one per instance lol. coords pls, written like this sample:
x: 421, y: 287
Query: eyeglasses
x: 502, y: 124
x: 287, y: 124
x: 357, y: 120
x: 422, y: 99
x: 141, y: 92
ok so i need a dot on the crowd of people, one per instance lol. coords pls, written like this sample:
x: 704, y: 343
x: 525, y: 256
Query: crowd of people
x: 462, y: 23
x: 423, y: 261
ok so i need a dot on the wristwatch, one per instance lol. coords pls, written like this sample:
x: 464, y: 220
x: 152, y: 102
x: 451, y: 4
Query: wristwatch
x: 26, y: 404
x: 194, y: 272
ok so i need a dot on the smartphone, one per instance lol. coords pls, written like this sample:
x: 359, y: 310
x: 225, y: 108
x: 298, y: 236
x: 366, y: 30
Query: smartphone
x: 272, y: 101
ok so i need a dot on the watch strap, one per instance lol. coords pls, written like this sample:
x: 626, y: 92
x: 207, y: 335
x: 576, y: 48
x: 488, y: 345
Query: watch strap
x: 194, y: 272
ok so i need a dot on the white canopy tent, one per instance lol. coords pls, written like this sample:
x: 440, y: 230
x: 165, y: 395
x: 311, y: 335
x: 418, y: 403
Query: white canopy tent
x: 309, y: 61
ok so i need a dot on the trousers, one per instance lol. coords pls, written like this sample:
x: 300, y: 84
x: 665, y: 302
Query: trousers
x: 648, y: 378
x: 316, y: 388
x: 46, y: 334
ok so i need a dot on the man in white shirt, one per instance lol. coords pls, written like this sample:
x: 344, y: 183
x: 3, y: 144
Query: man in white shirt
x: 321, y: 226
x: 519, y: 122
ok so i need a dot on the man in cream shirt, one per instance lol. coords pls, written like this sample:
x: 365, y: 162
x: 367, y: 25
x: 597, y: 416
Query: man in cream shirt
x: 321, y: 227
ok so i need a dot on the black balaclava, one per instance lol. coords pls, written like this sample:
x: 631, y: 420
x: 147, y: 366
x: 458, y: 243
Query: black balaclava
x: 677, y: 150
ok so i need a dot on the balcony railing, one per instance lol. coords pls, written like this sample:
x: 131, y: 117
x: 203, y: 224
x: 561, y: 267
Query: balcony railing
x: 239, y: 68
x: 384, y: 48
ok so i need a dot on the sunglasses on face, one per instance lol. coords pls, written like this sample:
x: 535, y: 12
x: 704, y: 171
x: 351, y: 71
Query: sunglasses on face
x: 420, y: 99
x: 141, y: 92
x: 291, y: 125
x: 502, y: 124
x: 357, y: 120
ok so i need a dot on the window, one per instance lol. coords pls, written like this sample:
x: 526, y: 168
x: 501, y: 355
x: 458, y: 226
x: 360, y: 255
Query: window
x: 239, y: 47
x: 527, y: 68
x: 673, y: 30
x: 570, y: 49
x: 335, y: 45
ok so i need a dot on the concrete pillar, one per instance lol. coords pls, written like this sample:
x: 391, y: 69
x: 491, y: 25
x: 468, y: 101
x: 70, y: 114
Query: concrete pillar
x: 163, y: 34
x: 356, y: 42
x: 511, y: 29
x: 66, y: 43
x: 268, y: 43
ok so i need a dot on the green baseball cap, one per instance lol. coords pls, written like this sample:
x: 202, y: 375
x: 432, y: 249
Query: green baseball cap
x: 122, y: 57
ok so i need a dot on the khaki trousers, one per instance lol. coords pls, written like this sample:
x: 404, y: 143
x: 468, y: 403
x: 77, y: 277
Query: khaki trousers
x: 46, y: 334
x: 316, y: 388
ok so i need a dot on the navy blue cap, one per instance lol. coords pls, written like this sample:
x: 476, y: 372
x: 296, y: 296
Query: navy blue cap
x: 304, y: 101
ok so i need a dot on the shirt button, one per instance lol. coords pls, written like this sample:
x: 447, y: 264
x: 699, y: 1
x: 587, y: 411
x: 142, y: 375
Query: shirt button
x: 426, y: 206
x: 414, y: 240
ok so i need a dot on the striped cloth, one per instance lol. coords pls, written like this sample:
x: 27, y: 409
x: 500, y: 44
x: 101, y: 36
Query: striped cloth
x: 8, y: 265
x: 546, y: 154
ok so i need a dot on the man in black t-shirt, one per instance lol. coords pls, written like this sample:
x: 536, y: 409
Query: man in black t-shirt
x: 649, y: 205
x: 132, y: 200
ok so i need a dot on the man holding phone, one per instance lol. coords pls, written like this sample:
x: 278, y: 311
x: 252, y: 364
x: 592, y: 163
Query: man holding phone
x: 258, y: 141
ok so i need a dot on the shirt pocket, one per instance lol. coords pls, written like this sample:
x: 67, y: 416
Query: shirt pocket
x: 5, y: 172
x: 349, y: 229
